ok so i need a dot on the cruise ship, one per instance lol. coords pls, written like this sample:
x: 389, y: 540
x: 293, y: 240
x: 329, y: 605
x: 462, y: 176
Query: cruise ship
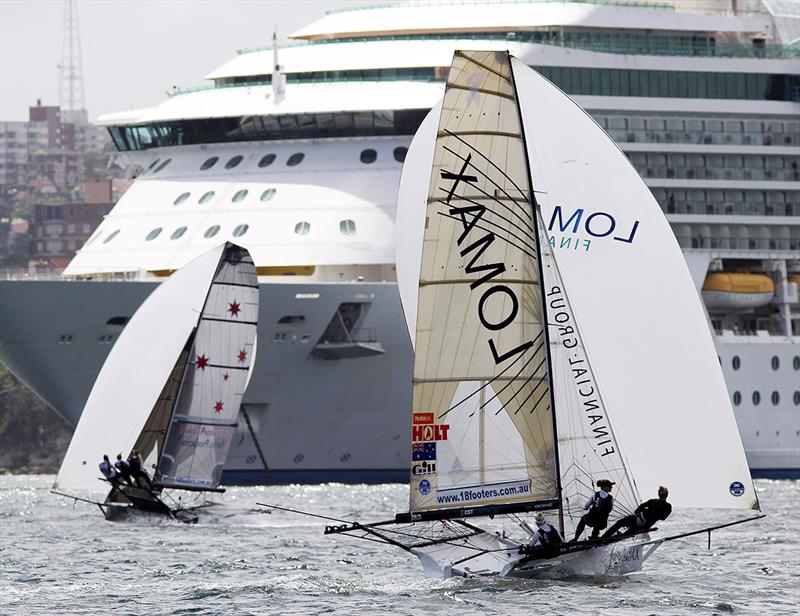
x: 296, y: 153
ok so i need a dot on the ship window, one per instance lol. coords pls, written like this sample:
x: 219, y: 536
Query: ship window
x: 118, y: 321
x: 162, y: 165
x: 796, y: 398
x: 268, y: 194
x: 775, y: 398
x: 369, y: 156
x: 240, y: 230
x: 295, y: 159
x: 181, y: 198
x: 347, y: 227
x: 239, y: 196
x: 776, y: 362
x: 211, y: 231
x: 400, y: 154
x: 111, y: 237
x: 737, y: 363
x: 153, y: 234
x: 266, y: 160
x: 234, y: 161
x: 153, y: 164
x: 177, y: 233
x: 206, y: 197
x: 756, y: 398
x: 302, y: 228
x: 291, y: 319
x: 737, y: 398
x: 209, y: 162
x: 796, y: 362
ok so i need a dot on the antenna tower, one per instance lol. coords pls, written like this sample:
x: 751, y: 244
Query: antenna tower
x: 70, y: 86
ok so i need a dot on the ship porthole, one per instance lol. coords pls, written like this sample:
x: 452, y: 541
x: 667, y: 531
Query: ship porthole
x: 233, y: 162
x: 736, y: 363
x: 111, y: 237
x: 153, y: 234
x: 209, y: 162
x: 181, y: 198
x: 756, y: 398
x: 239, y: 196
x: 776, y: 362
x: 211, y: 231
x: 206, y: 197
x: 775, y: 398
x: 796, y: 362
x: 268, y: 194
x: 369, y: 156
x: 737, y: 398
x: 295, y: 159
x: 400, y: 154
x: 240, y: 230
x: 796, y: 398
x: 266, y: 160
x: 177, y: 233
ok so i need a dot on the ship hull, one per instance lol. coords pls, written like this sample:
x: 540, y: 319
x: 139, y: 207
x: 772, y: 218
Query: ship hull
x: 321, y: 420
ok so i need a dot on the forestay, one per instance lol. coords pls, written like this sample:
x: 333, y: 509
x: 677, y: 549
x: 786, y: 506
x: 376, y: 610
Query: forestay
x: 482, y: 419
x: 214, y: 377
x: 133, y: 376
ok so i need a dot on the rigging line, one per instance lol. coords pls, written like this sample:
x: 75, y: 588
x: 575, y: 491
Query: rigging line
x: 502, y: 239
x: 533, y: 391
x: 495, y: 377
x: 485, y: 67
x: 527, y: 381
x: 526, y: 230
x: 500, y: 188
x: 488, y: 160
x: 512, y: 381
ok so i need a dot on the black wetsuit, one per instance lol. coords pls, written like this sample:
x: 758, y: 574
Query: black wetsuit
x: 597, y: 516
x: 124, y: 471
x: 138, y: 473
x: 646, y: 514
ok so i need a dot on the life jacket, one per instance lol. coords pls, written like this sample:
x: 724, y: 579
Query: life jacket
x: 548, y: 535
x: 135, y: 464
x: 601, y: 507
x: 107, y: 470
x: 123, y: 467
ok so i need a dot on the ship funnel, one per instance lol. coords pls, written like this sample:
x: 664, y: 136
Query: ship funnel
x: 278, y: 78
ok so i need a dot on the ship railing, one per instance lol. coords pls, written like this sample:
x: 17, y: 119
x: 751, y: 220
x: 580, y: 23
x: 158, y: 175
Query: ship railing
x: 36, y: 274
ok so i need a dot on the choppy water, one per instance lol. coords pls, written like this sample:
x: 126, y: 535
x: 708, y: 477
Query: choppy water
x: 56, y: 559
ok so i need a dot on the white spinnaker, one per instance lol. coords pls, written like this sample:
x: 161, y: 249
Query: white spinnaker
x: 641, y: 319
x: 480, y: 351
x: 134, y: 373
x: 215, y: 378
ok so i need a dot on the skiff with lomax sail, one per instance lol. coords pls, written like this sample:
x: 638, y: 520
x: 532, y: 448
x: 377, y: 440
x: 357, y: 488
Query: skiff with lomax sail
x: 171, y: 390
x: 544, y: 362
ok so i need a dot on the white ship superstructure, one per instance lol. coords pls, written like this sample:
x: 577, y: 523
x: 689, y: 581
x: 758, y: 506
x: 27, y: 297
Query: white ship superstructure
x: 301, y: 165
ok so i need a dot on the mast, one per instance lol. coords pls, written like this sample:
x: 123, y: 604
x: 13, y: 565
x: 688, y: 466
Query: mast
x: 546, y: 328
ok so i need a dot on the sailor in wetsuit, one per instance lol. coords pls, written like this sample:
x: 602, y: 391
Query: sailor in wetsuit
x: 599, y: 507
x: 108, y: 472
x: 646, y: 514
x: 546, y: 540
x: 137, y: 471
x: 123, y: 469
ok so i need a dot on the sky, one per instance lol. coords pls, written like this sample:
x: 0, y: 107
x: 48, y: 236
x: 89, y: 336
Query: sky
x: 133, y: 51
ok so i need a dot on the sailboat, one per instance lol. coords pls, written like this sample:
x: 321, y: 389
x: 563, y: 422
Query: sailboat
x: 171, y: 389
x: 559, y: 339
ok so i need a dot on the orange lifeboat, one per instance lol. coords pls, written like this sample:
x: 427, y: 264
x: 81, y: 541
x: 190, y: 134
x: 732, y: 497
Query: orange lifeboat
x: 737, y: 290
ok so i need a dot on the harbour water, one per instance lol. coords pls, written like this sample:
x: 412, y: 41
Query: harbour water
x: 60, y: 558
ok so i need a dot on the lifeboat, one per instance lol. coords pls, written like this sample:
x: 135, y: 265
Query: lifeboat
x: 737, y: 290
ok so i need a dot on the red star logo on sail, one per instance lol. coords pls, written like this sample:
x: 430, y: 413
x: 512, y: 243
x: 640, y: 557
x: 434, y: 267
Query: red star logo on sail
x: 202, y: 362
x: 234, y: 309
x: 225, y: 376
x: 242, y: 356
x: 218, y: 406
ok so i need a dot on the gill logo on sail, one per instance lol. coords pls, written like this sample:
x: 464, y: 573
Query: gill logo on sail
x: 487, y: 272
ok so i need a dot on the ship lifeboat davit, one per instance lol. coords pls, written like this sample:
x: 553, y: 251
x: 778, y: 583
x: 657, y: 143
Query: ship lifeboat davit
x: 737, y: 290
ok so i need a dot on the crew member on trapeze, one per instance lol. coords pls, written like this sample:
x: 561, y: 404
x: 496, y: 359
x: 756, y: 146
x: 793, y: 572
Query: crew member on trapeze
x: 646, y: 514
x: 546, y: 540
x: 109, y: 473
x: 123, y: 469
x: 137, y: 471
x: 598, y: 508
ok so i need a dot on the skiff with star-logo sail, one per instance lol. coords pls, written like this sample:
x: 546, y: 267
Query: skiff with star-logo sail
x: 533, y: 380
x: 174, y: 415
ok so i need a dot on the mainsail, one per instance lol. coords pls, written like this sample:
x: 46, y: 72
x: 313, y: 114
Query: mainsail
x: 132, y: 403
x: 214, y: 378
x: 482, y: 432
